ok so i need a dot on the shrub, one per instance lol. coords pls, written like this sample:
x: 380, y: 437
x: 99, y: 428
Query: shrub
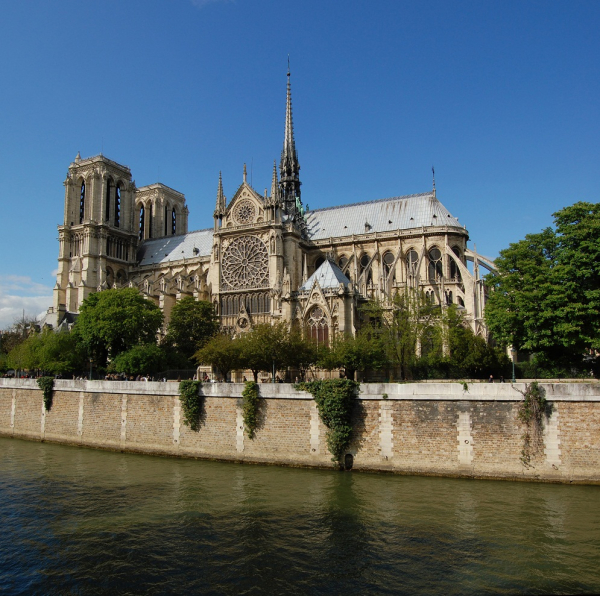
x: 250, y: 407
x: 191, y: 403
x: 46, y: 384
x: 335, y: 399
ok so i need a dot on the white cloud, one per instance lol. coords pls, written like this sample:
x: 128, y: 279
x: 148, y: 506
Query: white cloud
x: 20, y: 293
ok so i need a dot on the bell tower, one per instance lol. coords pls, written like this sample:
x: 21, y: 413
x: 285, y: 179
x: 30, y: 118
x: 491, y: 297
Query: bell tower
x: 97, y: 239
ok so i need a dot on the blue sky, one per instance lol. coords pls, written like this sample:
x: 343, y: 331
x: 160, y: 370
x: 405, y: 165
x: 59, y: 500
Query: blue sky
x: 502, y: 97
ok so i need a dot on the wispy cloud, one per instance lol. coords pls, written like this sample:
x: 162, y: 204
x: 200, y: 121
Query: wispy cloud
x: 20, y: 293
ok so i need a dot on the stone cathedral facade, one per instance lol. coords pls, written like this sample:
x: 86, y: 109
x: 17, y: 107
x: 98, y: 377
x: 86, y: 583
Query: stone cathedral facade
x: 266, y: 258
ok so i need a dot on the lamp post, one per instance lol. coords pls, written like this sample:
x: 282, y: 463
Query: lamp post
x: 513, y: 354
x: 91, y: 369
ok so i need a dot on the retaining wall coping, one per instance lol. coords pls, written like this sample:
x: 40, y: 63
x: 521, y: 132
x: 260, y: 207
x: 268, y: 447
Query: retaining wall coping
x: 573, y: 392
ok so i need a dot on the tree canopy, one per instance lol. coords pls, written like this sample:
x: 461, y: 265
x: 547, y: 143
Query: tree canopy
x: 192, y: 323
x: 114, y: 321
x: 545, y: 297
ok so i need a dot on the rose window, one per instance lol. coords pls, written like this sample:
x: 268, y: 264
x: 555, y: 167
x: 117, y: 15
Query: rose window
x: 244, y: 212
x: 245, y: 264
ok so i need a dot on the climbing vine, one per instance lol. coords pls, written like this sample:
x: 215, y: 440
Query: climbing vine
x: 191, y: 403
x: 250, y: 407
x: 531, y: 413
x: 335, y: 400
x: 46, y: 384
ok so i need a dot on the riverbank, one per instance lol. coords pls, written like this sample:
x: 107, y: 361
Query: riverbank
x: 443, y: 429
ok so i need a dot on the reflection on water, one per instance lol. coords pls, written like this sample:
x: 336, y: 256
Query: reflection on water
x: 78, y: 521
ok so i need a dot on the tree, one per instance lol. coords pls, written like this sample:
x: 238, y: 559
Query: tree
x: 545, y: 297
x: 143, y: 359
x: 48, y: 351
x: 265, y: 347
x: 193, y: 322
x: 113, y: 321
x: 408, y: 322
x: 58, y: 352
x: 361, y: 352
x: 222, y: 352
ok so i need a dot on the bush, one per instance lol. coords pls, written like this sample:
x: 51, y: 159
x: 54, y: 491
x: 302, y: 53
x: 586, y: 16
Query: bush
x: 250, y: 407
x: 46, y: 384
x: 191, y: 403
x: 335, y: 399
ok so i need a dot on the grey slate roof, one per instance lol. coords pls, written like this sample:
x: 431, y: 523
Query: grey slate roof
x: 329, y: 275
x: 396, y: 213
x: 175, y: 248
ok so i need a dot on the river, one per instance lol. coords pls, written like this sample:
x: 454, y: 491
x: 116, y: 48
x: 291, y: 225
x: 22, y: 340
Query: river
x: 80, y: 521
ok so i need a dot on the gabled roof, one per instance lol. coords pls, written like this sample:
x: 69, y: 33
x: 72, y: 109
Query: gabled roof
x: 329, y: 275
x: 175, y: 248
x: 383, y: 215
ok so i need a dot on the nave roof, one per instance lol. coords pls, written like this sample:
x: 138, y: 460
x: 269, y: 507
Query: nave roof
x: 175, y: 248
x: 382, y: 215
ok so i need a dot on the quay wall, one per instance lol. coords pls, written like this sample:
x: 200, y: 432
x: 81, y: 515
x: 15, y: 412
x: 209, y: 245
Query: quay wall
x: 420, y: 428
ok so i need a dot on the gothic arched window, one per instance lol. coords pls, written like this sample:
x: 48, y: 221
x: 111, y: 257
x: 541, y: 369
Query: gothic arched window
x: 454, y: 270
x: 109, y: 186
x: 142, y: 221
x: 151, y: 220
x: 342, y: 263
x: 82, y: 202
x: 173, y: 222
x: 412, y: 260
x: 317, y: 326
x: 388, y: 263
x: 435, y: 264
x: 364, y: 263
x: 118, y: 205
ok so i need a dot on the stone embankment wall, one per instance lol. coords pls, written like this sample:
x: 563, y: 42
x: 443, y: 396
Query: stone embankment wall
x: 437, y: 429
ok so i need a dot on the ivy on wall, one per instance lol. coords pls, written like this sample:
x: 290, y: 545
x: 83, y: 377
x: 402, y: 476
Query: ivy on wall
x: 46, y: 384
x: 191, y: 403
x: 335, y: 399
x: 531, y: 412
x: 250, y: 407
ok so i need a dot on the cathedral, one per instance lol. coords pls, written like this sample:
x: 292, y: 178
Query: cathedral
x: 267, y: 257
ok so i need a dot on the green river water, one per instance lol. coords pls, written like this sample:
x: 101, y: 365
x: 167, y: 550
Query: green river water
x: 79, y: 521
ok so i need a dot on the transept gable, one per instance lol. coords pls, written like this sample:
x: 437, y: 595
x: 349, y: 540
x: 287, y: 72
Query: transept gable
x: 245, y: 208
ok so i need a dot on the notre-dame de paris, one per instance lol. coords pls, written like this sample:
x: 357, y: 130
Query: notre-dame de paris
x: 266, y: 258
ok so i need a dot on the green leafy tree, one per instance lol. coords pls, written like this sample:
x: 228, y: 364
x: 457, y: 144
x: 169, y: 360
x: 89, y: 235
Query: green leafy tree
x: 409, y: 321
x: 222, y: 352
x: 55, y: 353
x: 266, y: 347
x: 545, y: 297
x: 192, y: 323
x: 364, y: 351
x: 145, y: 359
x: 114, y: 321
x: 59, y: 353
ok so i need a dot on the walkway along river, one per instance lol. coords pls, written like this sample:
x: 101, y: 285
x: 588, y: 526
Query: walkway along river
x: 448, y: 429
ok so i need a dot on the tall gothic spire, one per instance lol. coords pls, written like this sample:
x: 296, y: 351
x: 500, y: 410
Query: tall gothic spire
x: 221, y: 200
x: 274, y: 185
x: 289, y: 167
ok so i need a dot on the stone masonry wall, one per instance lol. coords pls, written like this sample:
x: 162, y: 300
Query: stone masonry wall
x: 421, y: 428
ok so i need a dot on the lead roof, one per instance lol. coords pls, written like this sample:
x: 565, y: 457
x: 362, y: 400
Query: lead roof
x: 383, y: 215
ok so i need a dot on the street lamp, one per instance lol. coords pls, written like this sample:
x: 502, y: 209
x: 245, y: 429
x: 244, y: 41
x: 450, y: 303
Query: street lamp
x: 513, y: 354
